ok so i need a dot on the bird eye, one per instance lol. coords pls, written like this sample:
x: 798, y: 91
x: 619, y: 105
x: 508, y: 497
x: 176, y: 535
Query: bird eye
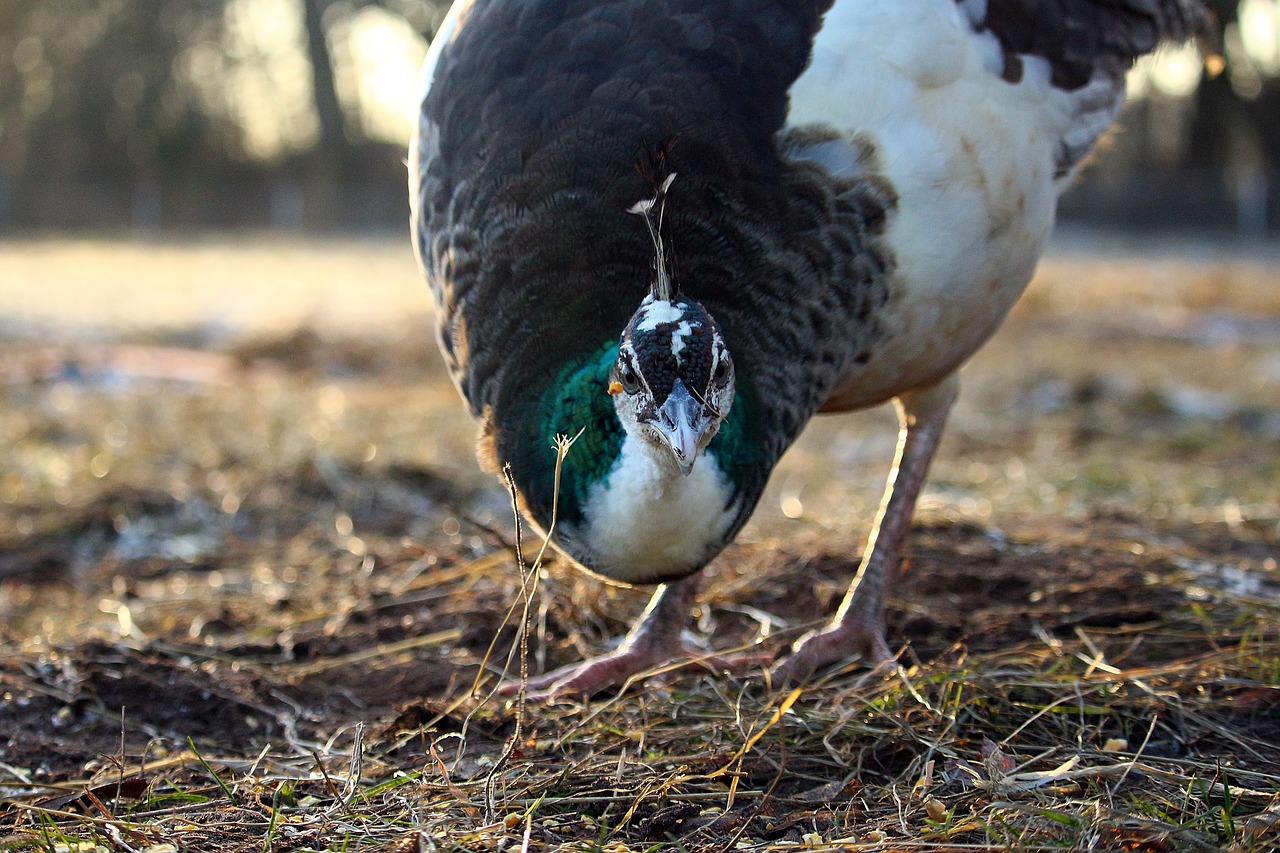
x: 721, y: 374
x: 630, y: 382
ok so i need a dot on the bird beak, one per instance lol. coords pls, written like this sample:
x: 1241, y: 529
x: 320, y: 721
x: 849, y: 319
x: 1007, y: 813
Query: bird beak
x: 681, y: 424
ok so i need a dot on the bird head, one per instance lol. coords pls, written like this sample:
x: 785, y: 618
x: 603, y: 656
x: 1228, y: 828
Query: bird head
x: 673, y: 381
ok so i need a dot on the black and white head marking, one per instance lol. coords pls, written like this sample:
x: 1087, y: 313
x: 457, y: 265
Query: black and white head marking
x: 670, y: 340
x: 673, y: 381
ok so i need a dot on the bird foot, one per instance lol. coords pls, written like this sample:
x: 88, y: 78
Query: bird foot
x: 620, y: 667
x: 587, y: 677
x: 845, y: 641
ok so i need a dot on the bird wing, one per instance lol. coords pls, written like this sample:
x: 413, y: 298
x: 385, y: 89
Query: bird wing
x: 1085, y: 43
x: 523, y: 165
x: 1079, y: 36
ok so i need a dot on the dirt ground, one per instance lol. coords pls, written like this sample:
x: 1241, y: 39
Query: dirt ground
x: 250, y: 579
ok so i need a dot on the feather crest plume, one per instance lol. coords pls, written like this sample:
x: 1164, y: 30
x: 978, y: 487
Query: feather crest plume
x: 664, y: 287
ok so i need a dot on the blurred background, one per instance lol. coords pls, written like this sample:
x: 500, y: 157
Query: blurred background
x: 159, y: 114
x: 293, y: 114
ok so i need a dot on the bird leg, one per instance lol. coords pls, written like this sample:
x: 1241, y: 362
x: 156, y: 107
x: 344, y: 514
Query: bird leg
x: 655, y: 639
x: 857, y: 628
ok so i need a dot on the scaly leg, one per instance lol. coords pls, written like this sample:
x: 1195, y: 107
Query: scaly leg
x: 857, y: 629
x: 655, y: 639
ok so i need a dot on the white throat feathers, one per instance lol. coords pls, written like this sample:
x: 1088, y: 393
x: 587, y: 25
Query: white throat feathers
x: 647, y: 521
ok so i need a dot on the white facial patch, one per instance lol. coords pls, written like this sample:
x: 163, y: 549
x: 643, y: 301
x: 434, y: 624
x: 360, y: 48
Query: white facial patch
x: 656, y: 312
x: 679, y: 336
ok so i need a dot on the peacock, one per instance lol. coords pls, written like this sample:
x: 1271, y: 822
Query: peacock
x: 676, y: 230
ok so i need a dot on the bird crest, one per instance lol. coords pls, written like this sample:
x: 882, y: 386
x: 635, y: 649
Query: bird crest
x: 653, y: 211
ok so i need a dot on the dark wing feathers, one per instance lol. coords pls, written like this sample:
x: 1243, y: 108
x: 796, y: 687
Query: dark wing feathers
x: 541, y: 109
x: 1077, y: 36
x: 536, y: 116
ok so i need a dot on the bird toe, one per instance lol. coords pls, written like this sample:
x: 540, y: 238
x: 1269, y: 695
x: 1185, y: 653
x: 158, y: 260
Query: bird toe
x: 838, y: 644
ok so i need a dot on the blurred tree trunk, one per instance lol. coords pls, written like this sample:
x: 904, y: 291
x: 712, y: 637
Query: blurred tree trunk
x: 330, y: 156
x: 1266, y: 116
x: 1218, y: 116
x: 333, y: 135
x: 1222, y: 113
x: 1218, y: 113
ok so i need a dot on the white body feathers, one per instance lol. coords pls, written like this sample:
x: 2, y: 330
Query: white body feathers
x: 683, y: 522
x: 971, y: 157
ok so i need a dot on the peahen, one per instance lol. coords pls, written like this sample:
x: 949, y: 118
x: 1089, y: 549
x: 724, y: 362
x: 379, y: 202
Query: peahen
x: 678, y: 229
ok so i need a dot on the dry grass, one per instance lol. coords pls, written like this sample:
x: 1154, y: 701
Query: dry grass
x: 249, y: 574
